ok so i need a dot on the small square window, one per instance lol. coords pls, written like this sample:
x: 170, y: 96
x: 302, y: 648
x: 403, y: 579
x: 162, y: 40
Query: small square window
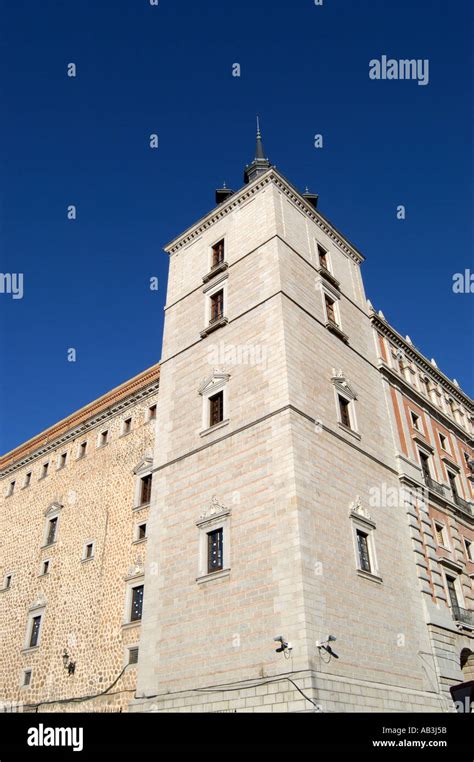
x: 218, y: 253
x: 27, y: 673
x: 52, y: 530
x: 133, y: 655
x: 216, y: 408
x: 88, y: 551
x: 82, y: 450
x: 45, y: 567
x: 215, y: 550
x: 127, y: 426
x: 152, y: 413
x: 103, y: 438
x: 136, y: 607
x: 27, y: 479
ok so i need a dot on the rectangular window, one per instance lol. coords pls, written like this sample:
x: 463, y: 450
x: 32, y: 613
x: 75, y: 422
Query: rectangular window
x: 141, y: 532
x: 145, y: 489
x: 440, y: 536
x: 453, y: 596
x: 133, y: 655
x: 216, y: 408
x: 415, y: 421
x: 35, y: 629
x: 443, y: 442
x: 218, y: 253
x: 217, y: 306
x: 89, y: 551
x: 330, y: 309
x: 45, y: 567
x: 127, y: 426
x: 363, y: 549
x: 11, y: 489
x: 469, y: 550
x: 137, y: 603
x: 344, y: 411
x: 82, y: 450
x: 27, y: 677
x: 7, y: 582
x: 62, y: 460
x: 215, y: 550
x: 27, y: 479
x: 323, y: 257
x: 425, y: 468
x: 452, y: 484
x: 103, y: 437
x: 44, y: 470
x: 52, y: 529
x: 152, y: 413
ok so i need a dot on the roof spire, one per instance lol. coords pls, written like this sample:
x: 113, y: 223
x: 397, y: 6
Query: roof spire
x: 260, y: 163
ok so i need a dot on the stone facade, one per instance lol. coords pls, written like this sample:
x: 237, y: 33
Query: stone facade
x: 81, y: 600
x: 279, y: 435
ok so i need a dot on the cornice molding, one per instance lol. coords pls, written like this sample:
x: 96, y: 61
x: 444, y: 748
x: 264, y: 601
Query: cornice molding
x: 241, y: 197
x: 386, y: 329
x: 80, y: 429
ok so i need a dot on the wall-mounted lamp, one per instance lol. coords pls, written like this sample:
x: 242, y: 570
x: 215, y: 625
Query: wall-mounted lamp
x: 68, y: 664
x: 326, y: 647
x: 283, y: 644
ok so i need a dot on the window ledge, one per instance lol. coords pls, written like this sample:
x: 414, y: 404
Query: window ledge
x: 48, y: 545
x: 334, y: 328
x: 371, y: 577
x: 5, y: 589
x: 353, y: 433
x: 216, y: 426
x: 213, y: 575
x: 214, y: 271
x: 129, y: 625
x: 142, y: 505
x: 125, y: 434
x: 101, y: 446
x: 86, y: 560
x: 329, y: 276
x: 213, y: 326
x: 30, y: 649
x: 139, y: 542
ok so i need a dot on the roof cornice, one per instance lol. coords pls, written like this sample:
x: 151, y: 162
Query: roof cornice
x: 387, y: 330
x: 242, y: 196
x: 84, y: 419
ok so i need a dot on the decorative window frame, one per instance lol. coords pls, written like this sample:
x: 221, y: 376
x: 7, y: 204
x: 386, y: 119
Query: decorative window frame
x: 218, y: 381
x: 361, y: 520
x: 446, y: 545
x: 38, y: 608
x: 213, y: 271
x: 426, y: 449
x: 132, y: 582
x: 53, y: 512
x: 450, y: 569
x: 219, y: 284
x: 144, y: 468
x: 216, y: 516
x: 342, y: 388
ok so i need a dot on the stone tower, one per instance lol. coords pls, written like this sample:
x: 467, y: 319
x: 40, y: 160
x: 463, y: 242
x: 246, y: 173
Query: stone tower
x: 273, y: 454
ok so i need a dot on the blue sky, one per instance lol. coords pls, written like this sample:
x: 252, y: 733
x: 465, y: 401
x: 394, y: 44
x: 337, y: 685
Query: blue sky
x: 168, y: 70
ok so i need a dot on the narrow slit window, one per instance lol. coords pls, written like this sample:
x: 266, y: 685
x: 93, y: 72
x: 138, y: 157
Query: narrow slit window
x: 215, y: 550
x: 363, y: 548
x: 217, y: 306
x: 330, y: 309
x: 218, y: 253
x: 52, y: 530
x: 137, y: 603
x: 344, y: 410
x: 35, y: 629
x: 216, y: 408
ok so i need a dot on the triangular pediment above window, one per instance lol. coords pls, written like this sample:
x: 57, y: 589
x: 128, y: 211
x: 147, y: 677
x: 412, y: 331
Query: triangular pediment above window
x: 342, y: 384
x: 53, y: 508
x: 145, y: 464
x: 215, y: 381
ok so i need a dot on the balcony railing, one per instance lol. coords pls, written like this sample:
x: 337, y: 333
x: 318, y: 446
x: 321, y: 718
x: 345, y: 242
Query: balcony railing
x: 463, y: 504
x: 434, y: 486
x: 463, y: 615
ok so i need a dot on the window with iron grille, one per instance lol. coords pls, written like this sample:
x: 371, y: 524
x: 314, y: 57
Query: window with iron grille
x: 363, y: 549
x: 344, y: 411
x: 145, y: 489
x: 137, y: 603
x: 218, y: 253
x: 133, y: 655
x: 217, y: 306
x: 52, y: 529
x: 35, y: 628
x: 215, y: 550
x: 216, y: 408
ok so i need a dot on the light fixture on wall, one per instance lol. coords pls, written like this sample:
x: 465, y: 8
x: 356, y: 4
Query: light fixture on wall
x: 284, y: 645
x: 68, y: 664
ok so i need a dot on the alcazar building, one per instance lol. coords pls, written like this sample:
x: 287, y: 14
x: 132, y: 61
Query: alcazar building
x: 276, y: 517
